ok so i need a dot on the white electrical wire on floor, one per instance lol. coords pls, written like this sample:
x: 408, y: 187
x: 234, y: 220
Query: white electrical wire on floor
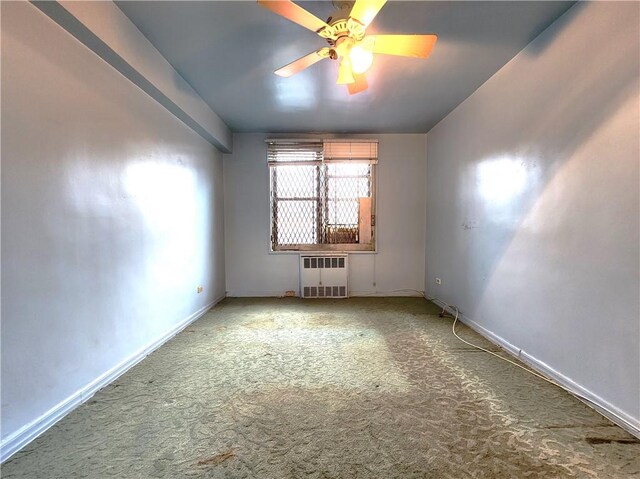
x: 453, y: 329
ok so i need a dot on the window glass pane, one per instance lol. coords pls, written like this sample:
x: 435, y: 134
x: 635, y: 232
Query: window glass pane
x: 295, y: 181
x: 296, y: 222
x: 342, y: 212
x: 348, y: 169
x: 347, y: 187
x: 348, y: 180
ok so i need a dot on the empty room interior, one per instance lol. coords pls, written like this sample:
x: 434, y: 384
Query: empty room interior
x: 328, y: 239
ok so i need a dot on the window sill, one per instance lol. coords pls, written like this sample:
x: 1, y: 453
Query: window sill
x: 326, y: 249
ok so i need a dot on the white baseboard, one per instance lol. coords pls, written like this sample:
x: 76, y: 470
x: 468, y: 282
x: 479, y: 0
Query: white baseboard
x: 23, y: 436
x: 260, y: 294
x: 608, y: 410
x: 385, y: 294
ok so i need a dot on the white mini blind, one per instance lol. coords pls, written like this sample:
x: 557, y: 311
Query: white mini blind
x: 358, y: 151
x: 294, y: 153
x: 302, y: 152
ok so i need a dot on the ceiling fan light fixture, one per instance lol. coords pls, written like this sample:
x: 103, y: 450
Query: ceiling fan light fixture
x: 345, y: 32
x: 361, y: 59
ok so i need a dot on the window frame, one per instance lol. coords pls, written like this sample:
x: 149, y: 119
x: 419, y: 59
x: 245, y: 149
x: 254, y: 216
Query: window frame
x: 366, y: 248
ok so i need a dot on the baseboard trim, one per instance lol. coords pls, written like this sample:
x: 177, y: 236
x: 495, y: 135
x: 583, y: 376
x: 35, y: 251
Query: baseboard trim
x: 23, y: 436
x: 385, y: 294
x: 608, y: 410
x: 260, y: 294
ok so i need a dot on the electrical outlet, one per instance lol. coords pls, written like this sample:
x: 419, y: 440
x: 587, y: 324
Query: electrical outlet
x: 289, y: 294
x: 438, y: 281
x: 199, y: 289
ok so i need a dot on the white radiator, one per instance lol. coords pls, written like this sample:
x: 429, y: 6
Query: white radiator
x: 324, y: 276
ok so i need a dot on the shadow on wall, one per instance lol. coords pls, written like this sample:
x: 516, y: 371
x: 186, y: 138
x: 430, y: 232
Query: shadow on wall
x: 566, y: 114
x: 543, y: 41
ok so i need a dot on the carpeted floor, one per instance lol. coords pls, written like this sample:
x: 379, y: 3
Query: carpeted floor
x: 357, y: 388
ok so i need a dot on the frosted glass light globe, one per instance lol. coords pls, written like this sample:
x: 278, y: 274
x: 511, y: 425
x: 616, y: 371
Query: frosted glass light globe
x: 361, y: 59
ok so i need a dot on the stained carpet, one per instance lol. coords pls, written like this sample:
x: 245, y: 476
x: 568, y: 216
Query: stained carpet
x: 357, y: 388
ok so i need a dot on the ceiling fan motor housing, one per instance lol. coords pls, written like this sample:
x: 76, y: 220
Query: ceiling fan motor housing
x: 341, y: 24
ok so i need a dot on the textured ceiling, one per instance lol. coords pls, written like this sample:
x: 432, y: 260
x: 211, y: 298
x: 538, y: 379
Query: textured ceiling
x: 228, y: 51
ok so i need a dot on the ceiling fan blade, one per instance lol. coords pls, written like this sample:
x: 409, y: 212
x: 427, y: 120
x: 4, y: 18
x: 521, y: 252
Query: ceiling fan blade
x: 295, y: 13
x: 302, y: 63
x: 345, y: 74
x: 419, y: 46
x: 360, y: 84
x: 366, y: 10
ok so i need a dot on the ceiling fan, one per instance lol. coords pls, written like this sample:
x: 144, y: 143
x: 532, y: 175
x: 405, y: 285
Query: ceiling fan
x: 347, y: 39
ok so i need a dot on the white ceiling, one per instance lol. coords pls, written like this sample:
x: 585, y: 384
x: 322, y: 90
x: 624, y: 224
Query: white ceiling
x: 228, y: 51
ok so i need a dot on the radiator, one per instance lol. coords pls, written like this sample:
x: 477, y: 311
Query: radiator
x: 324, y: 276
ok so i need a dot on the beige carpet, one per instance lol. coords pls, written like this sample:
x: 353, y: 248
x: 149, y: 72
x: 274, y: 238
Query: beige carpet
x: 358, y: 388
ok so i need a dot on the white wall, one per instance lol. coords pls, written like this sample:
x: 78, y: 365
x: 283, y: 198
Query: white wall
x: 112, y: 215
x: 399, y: 264
x: 533, y: 204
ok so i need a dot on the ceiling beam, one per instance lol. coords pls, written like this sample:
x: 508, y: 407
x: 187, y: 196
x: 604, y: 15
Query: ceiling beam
x: 107, y: 31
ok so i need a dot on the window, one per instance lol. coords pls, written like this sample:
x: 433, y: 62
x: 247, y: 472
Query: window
x: 322, y: 195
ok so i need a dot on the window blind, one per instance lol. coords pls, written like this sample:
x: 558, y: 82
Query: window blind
x: 294, y: 153
x: 352, y: 151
